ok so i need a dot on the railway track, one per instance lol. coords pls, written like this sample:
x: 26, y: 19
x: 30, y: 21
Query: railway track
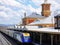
x: 4, y: 41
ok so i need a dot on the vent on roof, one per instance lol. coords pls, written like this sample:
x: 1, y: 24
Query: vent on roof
x: 34, y: 13
x: 37, y: 20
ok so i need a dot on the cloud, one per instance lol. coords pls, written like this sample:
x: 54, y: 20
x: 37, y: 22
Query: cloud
x: 57, y: 1
x: 11, y: 11
x: 10, y: 2
x: 3, y: 14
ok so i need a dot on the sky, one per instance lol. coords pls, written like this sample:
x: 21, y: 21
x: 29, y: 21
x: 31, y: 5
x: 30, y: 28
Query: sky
x: 12, y: 11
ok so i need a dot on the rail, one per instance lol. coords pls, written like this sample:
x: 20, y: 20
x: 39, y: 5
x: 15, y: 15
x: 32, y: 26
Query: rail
x: 6, y: 41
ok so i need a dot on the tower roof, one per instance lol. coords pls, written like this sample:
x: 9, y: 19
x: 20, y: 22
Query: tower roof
x: 45, y: 1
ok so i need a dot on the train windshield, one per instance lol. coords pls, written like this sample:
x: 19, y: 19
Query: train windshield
x: 26, y: 37
x: 26, y: 34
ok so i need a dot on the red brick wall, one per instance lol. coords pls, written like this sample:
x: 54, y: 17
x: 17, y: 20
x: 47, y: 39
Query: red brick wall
x: 28, y: 20
x: 46, y: 9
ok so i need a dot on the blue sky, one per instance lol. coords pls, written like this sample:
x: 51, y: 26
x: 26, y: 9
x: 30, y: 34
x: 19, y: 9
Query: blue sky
x: 12, y: 11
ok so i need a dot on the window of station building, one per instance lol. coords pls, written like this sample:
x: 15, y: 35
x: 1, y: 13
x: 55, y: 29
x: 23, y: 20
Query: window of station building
x: 46, y: 7
x: 58, y: 22
x: 40, y: 26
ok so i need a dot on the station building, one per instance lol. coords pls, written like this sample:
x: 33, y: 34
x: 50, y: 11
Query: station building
x: 44, y: 28
x: 43, y: 20
x: 50, y: 24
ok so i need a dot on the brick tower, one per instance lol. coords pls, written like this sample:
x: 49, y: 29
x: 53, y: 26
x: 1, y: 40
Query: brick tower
x: 46, y: 9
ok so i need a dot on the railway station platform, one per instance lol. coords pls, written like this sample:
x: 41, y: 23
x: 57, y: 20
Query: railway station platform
x: 38, y: 38
x: 4, y: 41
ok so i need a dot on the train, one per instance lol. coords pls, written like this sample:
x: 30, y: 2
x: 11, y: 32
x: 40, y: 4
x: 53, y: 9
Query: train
x: 23, y: 37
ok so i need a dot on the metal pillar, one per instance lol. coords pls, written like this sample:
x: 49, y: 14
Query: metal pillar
x: 51, y: 39
x: 40, y: 39
x: 56, y: 39
x: 34, y: 37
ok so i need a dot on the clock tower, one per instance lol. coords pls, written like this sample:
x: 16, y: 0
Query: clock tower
x: 46, y: 9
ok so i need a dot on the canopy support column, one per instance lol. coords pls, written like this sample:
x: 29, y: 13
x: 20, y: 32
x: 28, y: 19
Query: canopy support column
x: 40, y: 39
x: 51, y: 39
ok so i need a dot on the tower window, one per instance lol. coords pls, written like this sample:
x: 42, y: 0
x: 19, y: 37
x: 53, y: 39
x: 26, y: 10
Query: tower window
x: 47, y: 7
